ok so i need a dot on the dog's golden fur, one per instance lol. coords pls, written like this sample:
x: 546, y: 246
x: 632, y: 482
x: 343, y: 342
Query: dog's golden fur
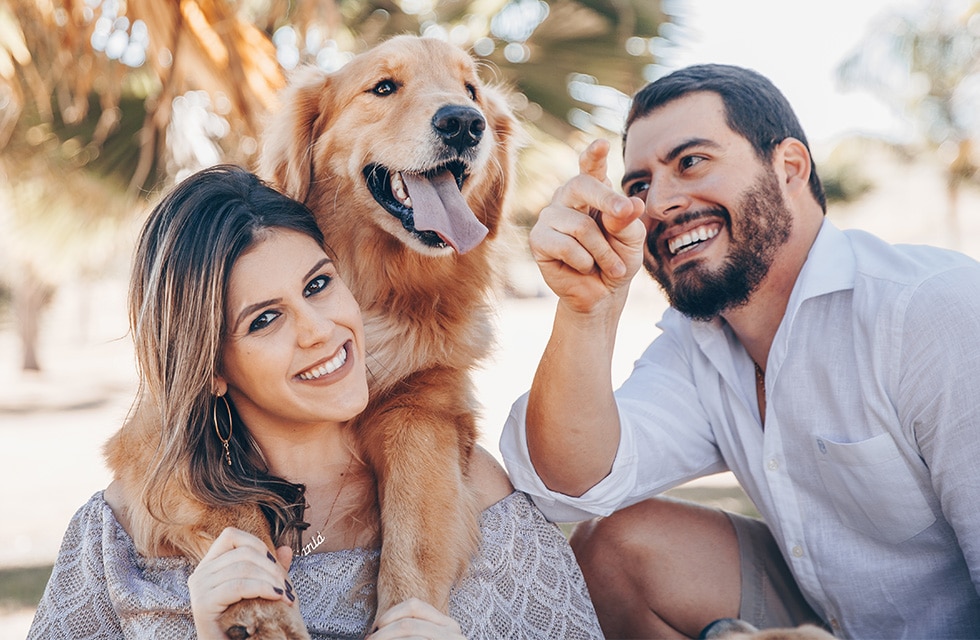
x: 735, y: 629
x: 426, y: 312
x: 425, y: 307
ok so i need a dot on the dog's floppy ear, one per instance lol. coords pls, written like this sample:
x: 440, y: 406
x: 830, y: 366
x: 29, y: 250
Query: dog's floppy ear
x: 510, y: 139
x: 286, y: 160
x: 505, y: 126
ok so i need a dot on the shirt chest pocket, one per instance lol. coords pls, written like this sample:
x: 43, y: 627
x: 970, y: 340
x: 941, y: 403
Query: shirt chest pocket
x: 872, y: 488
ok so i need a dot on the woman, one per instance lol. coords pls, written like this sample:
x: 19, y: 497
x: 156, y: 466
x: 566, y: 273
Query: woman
x: 266, y: 366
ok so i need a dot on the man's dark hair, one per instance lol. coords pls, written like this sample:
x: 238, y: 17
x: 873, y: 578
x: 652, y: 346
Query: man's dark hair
x: 754, y: 107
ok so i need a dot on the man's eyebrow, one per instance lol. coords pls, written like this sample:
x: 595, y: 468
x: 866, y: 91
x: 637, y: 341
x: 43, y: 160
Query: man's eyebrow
x: 687, y: 144
x: 631, y: 176
x: 671, y: 156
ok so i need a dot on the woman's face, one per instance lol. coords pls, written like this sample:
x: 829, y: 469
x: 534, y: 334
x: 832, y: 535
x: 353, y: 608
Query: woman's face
x: 293, y: 356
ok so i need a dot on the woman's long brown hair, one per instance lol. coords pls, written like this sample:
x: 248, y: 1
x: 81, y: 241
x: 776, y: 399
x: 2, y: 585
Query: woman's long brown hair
x: 186, y: 251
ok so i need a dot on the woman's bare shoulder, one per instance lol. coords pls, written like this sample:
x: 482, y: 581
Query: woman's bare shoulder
x: 488, y: 478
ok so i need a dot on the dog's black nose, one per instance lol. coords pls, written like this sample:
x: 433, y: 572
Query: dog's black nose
x: 458, y: 126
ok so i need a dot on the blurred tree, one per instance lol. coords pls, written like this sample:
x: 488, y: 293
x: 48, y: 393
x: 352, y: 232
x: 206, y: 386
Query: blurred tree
x: 103, y: 102
x: 924, y: 62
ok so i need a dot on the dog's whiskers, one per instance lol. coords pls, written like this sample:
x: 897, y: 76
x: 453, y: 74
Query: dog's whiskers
x: 370, y: 356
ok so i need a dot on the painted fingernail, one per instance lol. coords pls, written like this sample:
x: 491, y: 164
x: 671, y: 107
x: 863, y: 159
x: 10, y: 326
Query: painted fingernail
x: 289, y: 594
x: 268, y: 554
x: 277, y: 590
x: 289, y: 587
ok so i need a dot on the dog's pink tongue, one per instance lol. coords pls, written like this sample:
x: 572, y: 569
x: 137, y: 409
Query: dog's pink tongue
x: 440, y: 207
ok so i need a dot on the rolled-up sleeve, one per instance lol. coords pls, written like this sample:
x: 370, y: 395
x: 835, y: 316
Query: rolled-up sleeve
x: 662, y: 424
x: 601, y: 500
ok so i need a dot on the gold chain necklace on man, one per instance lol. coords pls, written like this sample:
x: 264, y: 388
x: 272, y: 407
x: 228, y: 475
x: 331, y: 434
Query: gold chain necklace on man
x: 318, y: 539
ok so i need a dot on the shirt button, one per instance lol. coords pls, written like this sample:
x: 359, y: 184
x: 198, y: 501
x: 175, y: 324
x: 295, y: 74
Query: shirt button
x: 798, y: 551
x: 773, y: 465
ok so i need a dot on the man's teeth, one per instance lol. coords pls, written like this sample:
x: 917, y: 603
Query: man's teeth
x: 327, y: 367
x: 691, y: 239
x: 399, y: 191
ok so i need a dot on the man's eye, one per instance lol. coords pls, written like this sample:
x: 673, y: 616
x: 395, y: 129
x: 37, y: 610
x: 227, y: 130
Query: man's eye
x: 263, y: 321
x: 316, y: 285
x: 636, y: 188
x: 689, y: 161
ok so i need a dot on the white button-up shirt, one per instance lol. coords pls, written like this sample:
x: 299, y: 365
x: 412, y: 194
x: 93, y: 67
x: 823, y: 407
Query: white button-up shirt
x: 868, y: 469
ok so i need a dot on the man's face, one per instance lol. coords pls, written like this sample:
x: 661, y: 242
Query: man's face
x: 715, y: 212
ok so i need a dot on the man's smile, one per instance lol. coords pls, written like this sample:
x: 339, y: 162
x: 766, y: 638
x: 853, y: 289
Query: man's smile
x: 690, y: 239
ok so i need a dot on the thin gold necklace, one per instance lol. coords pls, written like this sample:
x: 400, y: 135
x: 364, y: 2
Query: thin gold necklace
x: 318, y: 539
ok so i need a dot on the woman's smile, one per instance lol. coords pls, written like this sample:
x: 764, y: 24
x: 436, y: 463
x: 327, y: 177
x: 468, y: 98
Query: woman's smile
x: 334, y: 365
x: 296, y: 354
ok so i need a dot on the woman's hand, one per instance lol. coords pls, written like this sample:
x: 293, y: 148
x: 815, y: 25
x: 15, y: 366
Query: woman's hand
x: 415, y: 619
x: 238, y: 566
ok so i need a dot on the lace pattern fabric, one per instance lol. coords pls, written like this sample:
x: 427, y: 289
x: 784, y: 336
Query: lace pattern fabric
x: 524, y: 583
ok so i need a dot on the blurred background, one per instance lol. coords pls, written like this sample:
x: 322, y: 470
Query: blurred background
x: 106, y: 103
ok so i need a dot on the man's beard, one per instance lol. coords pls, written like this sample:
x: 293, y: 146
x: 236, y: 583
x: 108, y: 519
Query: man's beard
x: 764, y: 226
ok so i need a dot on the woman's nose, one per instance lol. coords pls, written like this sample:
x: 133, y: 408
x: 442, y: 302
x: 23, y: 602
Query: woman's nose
x: 313, y: 327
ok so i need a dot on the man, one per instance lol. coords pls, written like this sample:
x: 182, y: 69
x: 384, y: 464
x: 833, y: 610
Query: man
x: 834, y: 374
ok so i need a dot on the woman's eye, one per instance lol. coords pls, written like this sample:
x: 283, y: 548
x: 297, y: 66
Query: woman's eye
x: 316, y: 285
x: 263, y: 321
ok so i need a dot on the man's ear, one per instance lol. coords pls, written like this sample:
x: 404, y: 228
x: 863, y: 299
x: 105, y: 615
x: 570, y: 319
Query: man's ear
x: 791, y: 160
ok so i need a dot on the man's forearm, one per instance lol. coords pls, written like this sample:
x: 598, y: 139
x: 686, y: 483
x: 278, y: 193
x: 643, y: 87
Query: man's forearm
x: 572, y: 419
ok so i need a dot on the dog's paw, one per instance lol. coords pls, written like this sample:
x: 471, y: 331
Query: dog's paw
x: 259, y: 619
x: 733, y: 629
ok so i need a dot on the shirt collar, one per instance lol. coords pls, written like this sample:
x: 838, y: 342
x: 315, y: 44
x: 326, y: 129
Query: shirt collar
x: 829, y: 267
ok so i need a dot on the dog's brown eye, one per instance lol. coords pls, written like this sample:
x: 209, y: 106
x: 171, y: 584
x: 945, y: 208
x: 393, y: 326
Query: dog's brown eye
x: 470, y: 89
x: 385, y: 87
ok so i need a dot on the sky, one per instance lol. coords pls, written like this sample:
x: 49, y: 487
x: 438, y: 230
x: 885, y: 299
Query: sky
x: 796, y: 44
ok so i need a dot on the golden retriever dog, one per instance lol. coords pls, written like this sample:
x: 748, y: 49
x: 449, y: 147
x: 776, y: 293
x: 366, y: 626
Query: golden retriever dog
x: 405, y: 156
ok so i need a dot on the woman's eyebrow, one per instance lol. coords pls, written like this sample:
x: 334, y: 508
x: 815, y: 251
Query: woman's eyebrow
x: 252, y: 308
x: 317, y: 267
x: 265, y: 303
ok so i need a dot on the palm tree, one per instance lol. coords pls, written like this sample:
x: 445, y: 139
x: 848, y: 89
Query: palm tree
x: 922, y: 61
x: 85, y: 122
x: 103, y: 102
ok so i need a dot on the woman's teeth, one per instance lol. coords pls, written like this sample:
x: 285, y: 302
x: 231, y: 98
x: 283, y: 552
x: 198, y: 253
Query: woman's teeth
x: 691, y: 239
x: 327, y: 367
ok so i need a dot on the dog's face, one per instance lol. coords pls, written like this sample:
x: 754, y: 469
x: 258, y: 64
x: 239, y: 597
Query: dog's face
x: 405, y: 135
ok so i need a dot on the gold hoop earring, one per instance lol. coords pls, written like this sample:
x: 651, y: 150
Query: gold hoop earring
x: 214, y: 415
